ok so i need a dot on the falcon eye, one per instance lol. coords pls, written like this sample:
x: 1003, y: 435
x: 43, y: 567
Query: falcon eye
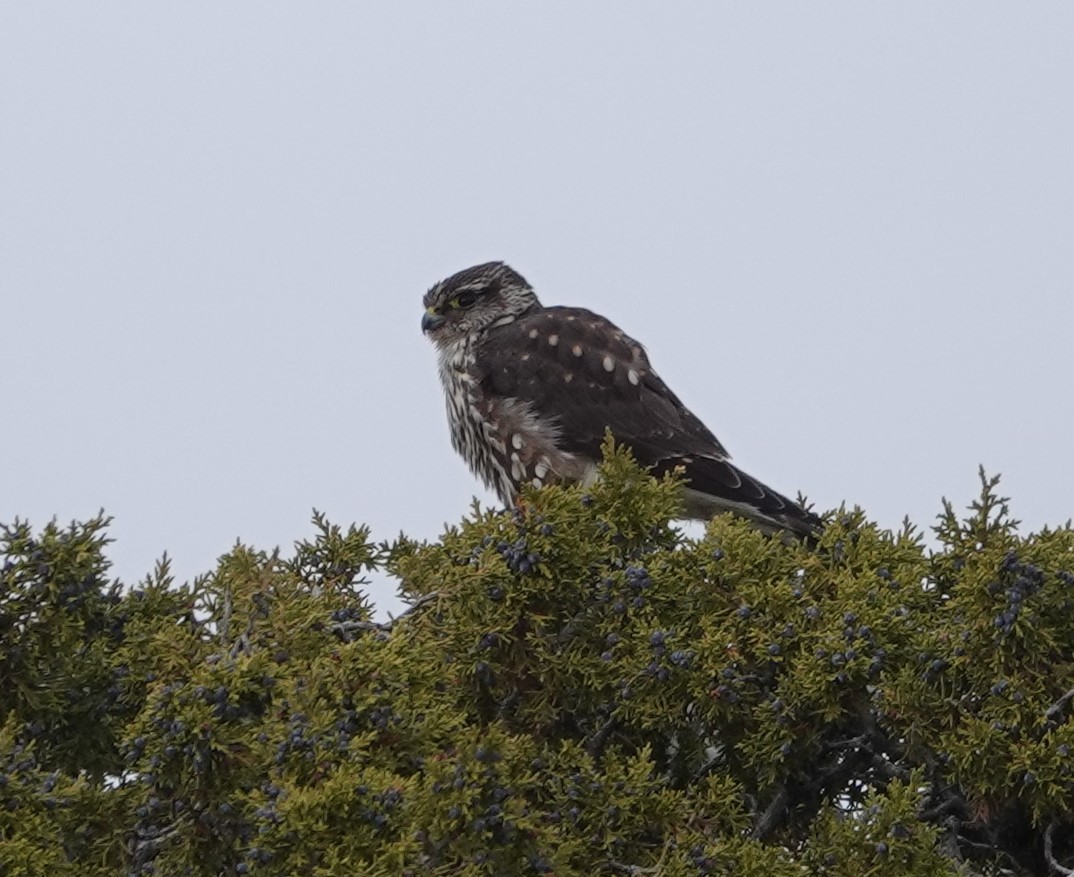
x: 463, y: 300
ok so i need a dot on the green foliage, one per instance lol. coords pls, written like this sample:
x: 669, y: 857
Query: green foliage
x: 578, y: 689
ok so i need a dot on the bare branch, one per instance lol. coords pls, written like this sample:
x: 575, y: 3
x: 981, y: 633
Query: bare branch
x: 888, y: 769
x: 1049, y: 856
x: 638, y: 870
x: 952, y: 801
x: 1052, y: 713
x: 772, y: 815
x: 224, y: 624
x: 347, y: 630
x: 708, y: 767
x: 595, y: 745
x: 148, y: 843
x: 633, y: 870
x: 241, y: 646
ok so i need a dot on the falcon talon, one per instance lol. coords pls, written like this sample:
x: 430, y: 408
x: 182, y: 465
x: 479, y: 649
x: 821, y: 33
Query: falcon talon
x: 531, y: 391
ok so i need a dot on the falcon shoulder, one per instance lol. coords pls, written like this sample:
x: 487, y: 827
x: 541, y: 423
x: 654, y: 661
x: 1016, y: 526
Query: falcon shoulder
x: 579, y: 371
x: 580, y: 374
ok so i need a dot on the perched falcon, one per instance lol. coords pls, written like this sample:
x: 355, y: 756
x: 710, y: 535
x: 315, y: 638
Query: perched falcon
x: 531, y: 390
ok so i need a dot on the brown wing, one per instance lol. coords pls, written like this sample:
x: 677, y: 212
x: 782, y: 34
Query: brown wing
x: 581, y: 372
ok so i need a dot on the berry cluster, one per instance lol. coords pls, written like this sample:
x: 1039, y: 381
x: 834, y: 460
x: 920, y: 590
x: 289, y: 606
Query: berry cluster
x: 299, y: 740
x: 518, y: 556
x: 1017, y: 582
x: 664, y: 662
x: 376, y: 809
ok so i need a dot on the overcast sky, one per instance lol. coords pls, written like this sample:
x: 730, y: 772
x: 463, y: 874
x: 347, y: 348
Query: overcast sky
x: 844, y: 231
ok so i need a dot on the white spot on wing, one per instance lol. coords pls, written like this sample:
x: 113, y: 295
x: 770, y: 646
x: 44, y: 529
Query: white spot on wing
x: 577, y: 350
x: 609, y: 364
x: 516, y: 441
x: 553, y: 340
x: 568, y: 377
x: 536, y: 482
x: 632, y: 376
x: 533, y: 333
x: 541, y: 469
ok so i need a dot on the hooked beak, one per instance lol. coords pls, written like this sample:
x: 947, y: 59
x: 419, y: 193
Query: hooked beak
x: 431, y: 321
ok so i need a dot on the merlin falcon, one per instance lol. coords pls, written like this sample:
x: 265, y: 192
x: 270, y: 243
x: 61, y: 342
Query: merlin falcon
x: 531, y: 391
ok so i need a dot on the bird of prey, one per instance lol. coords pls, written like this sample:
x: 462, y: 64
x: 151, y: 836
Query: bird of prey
x: 531, y: 390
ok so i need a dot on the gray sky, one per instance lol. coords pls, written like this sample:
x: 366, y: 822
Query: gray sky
x: 843, y: 230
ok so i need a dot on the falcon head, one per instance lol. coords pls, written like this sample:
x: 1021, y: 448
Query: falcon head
x: 473, y: 300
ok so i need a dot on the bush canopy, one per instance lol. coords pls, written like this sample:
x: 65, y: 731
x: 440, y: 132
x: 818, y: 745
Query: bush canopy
x: 577, y: 689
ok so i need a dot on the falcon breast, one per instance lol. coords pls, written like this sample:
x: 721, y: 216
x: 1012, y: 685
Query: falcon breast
x: 531, y: 390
